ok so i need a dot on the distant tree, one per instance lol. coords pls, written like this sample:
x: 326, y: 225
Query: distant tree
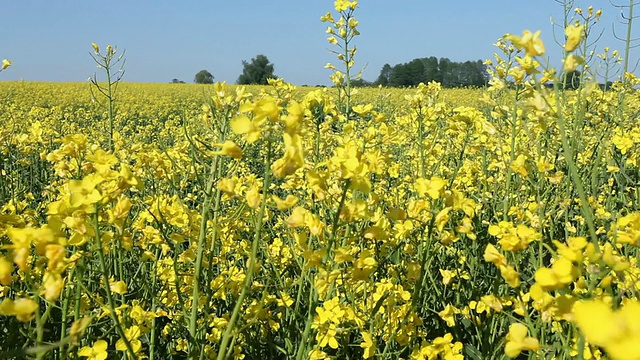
x: 448, y: 73
x: 572, y: 80
x: 385, y: 75
x: 257, y: 71
x: 444, y: 72
x: 176, y: 81
x: 203, y: 77
x: 361, y: 83
x: 430, y: 69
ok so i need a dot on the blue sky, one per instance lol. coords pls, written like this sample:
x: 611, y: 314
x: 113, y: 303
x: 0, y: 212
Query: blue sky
x: 51, y: 40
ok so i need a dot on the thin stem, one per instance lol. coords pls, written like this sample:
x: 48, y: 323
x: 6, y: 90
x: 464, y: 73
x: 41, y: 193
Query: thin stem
x: 105, y: 278
x: 252, y: 259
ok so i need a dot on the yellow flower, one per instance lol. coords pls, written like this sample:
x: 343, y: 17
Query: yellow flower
x: 574, y: 36
x: 228, y: 186
x: 530, y: 42
x: 368, y: 345
x: 328, y: 337
x: 342, y: 5
x: 229, y: 148
x: 53, y: 285
x: 492, y: 255
x: 102, y: 160
x: 572, y: 61
x: 251, y: 129
x: 23, y: 309
x: 6, y: 268
x: 254, y: 199
x: 95, y: 47
x: 327, y: 17
x: 518, y: 341
x: 96, y: 352
x: 78, y: 327
x: 293, y: 158
x: 510, y: 275
x: 286, y: 203
x: 447, y: 276
x: 318, y: 354
x: 84, y: 192
x: 118, y: 287
x: 331, y: 311
x: 433, y: 187
x: 448, y: 315
x: 616, y: 331
x: 5, y: 63
x: 132, y: 334
x: 519, y: 165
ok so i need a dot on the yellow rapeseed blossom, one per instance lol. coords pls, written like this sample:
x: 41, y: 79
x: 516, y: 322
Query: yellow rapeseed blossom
x: 96, y: 352
x: 574, y: 37
x: 518, y: 341
x: 23, y: 308
x: 615, y: 331
x: 530, y: 42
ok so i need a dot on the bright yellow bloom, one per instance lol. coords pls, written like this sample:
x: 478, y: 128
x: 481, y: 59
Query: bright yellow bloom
x: 327, y: 17
x: 530, y: 42
x: 432, y: 187
x: 132, y: 334
x: 448, y: 315
x: 617, y: 332
x: 102, y: 161
x: 572, y: 61
x: 23, y: 308
x: 492, y: 255
x: 331, y: 311
x: 518, y: 341
x: 447, y: 276
x: 254, y: 199
x: 286, y: 203
x: 53, y: 285
x: 251, y: 129
x: 368, y: 345
x: 84, y: 192
x: 510, y: 275
x: 96, y: 352
x: 229, y: 148
x: 574, y: 36
x: 342, y: 5
x: 118, y: 287
x: 6, y: 268
x: 5, y: 64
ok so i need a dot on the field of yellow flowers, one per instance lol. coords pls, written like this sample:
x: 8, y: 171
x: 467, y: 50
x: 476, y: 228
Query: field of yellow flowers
x: 278, y: 222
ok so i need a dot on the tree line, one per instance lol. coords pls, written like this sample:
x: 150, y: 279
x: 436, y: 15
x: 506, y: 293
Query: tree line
x: 423, y: 70
x: 258, y: 71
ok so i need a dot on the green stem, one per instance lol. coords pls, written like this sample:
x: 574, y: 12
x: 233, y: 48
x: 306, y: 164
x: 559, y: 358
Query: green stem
x: 512, y: 154
x: 587, y: 212
x: 252, y: 259
x: 201, y: 240
x: 105, y: 278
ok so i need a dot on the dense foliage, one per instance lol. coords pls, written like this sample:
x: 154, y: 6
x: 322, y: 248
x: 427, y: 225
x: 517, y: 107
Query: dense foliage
x: 448, y: 73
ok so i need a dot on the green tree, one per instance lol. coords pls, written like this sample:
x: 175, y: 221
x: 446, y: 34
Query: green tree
x: 385, y: 75
x: 203, y: 77
x: 257, y: 71
x: 572, y: 80
x: 430, y: 69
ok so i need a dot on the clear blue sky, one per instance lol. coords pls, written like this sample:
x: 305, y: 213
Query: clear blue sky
x: 50, y: 40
